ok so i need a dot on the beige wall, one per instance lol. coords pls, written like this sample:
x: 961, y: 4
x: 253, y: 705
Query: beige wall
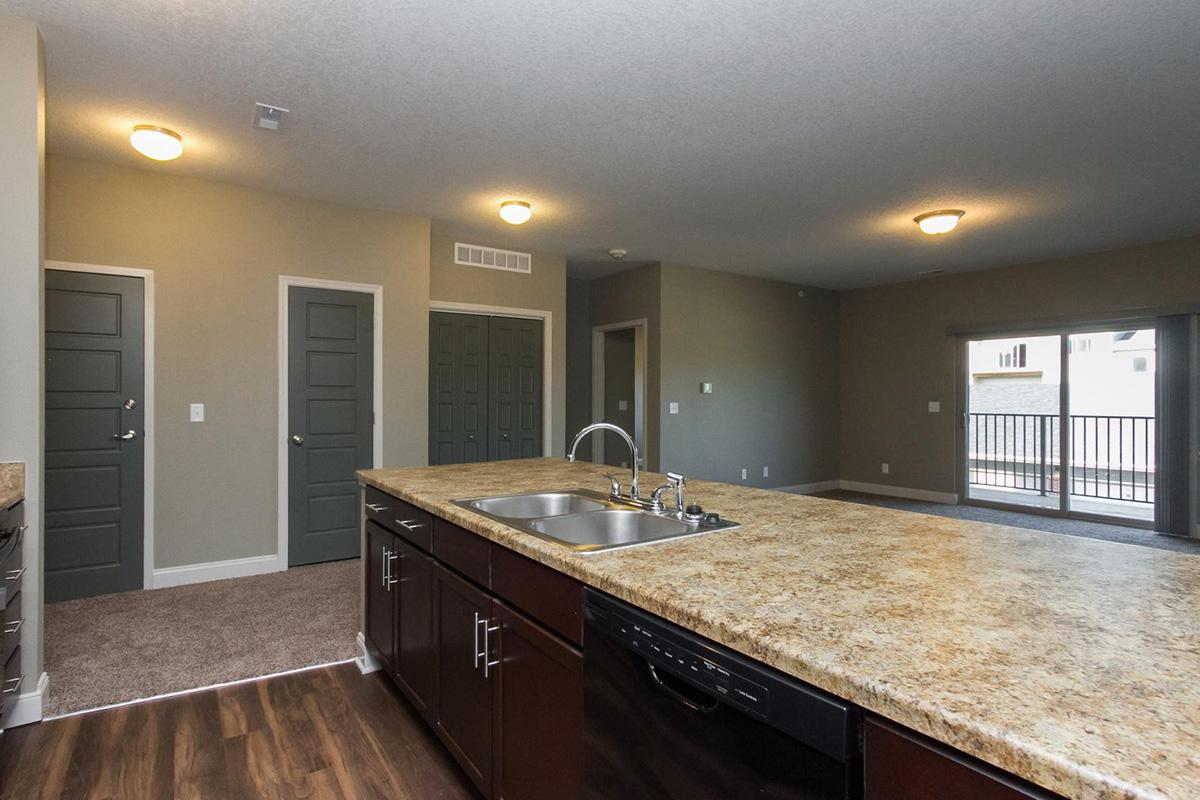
x: 772, y: 357
x: 217, y: 251
x: 579, y: 362
x: 544, y: 289
x: 896, y: 355
x: 22, y: 140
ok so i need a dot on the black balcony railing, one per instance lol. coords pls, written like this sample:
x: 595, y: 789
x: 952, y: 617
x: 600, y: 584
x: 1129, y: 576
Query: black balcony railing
x: 1110, y: 457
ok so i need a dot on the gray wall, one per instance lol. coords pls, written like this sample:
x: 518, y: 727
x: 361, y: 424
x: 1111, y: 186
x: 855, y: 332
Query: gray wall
x: 579, y: 362
x: 22, y: 158
x: 896, y: 355
x: 619, y: 381
x: 544, y: 289
x: 217, y: 251
x: 772, y: 357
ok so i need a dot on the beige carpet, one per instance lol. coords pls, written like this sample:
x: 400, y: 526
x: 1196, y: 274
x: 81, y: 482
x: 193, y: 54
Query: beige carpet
x: 119, y: 647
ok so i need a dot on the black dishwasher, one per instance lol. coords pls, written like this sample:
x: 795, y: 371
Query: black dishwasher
x: 669, y: 714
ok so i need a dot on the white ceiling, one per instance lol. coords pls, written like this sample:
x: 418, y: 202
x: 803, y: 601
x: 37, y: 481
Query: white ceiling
x: 787, y: 139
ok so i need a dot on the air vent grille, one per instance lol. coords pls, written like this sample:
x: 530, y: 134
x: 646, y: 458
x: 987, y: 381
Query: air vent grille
x: 474, y: 255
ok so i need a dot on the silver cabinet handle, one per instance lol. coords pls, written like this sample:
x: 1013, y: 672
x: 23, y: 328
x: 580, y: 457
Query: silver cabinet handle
x: 15, y: 626
x: 15, y: 574
x: 392, y: 556
x: 128, y: 436
x: 376, y: 508
x: 296, y: 439
x: 386, y: 563
x: 410, y: 525
x: 488, y: 629
x: 16, y: 684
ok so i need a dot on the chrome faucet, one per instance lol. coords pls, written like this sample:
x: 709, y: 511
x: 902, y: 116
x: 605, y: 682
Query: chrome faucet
x: 634, y: 489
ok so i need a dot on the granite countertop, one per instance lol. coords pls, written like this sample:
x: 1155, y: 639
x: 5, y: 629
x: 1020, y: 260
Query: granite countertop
x: 1070, y: 662
x: 12, y: 483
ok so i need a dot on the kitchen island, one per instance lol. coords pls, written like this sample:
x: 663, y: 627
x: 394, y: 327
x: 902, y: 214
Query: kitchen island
x: 1065, y: 661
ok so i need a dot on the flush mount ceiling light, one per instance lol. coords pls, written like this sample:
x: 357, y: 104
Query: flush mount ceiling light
x: 157, y: 143
x: 935, y: 222
x: 515, y: 212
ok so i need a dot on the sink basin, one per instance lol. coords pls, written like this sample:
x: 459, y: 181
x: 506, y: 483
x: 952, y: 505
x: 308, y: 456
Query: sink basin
x: 532, y: 506
x: 610, y: 528
x: 583, y: 520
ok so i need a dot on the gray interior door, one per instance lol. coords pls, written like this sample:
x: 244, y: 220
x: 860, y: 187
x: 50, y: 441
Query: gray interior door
x: 515, y: 388
x: 458, y: 388
x: 331, y: 419
x: 95, y: 384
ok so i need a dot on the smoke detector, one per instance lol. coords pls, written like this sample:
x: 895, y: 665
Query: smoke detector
x: 268, y: 117
x: 617, y: 253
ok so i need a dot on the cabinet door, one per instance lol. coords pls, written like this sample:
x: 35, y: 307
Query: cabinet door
x: 539, y: 752
x: 380, y: 597
x: 416, y: 651
x: 465, y: 681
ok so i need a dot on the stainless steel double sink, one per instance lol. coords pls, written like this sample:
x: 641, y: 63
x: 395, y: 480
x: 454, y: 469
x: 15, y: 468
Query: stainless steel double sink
x: 585, y: 521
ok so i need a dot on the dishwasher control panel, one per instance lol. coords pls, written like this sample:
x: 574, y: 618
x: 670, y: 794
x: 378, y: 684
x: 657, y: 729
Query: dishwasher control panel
x: 753, y: 688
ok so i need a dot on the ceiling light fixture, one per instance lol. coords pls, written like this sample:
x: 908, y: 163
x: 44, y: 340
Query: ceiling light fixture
x: 515, y: 212
x: 160, y: 144
x: 935, y: 222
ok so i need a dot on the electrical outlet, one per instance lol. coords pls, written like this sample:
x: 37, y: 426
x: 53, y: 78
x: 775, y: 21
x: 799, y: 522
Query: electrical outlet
x: 672, y: 408
x: 884, y: 468
x: 706, y: 388
x: 766, y: 472
x: 622, y: 405
x: 935, y: 406
x: 197, y: 412
x: 743, y: 473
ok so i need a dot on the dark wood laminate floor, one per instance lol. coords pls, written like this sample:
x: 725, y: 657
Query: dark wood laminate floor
x: 324, y: 733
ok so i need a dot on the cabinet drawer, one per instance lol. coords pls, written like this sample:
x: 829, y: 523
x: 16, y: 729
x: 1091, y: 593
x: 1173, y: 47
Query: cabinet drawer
x: 10, y: 628
x: 544, y: 594
x: 400, y: 517
x: 899, y: 764
x: 466, y: 552
x: 11, y: 687
x: 11, y: 568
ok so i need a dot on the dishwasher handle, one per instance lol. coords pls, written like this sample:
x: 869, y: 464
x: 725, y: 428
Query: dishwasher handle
x: 679, y: 696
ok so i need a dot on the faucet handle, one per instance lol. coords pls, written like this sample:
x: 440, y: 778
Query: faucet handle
x: 674, y: 478
x: 615, y: 489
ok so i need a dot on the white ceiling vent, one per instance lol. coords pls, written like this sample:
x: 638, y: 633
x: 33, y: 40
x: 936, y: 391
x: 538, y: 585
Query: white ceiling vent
x: 473, y: 255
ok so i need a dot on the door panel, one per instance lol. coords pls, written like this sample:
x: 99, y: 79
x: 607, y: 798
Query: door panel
x: 93, y: 481
x: 515, y: 373
x: 464, y: 690
x: 416, y: 648
x: 381, y: 604
x: 458, y: 394
x: 330, y: 396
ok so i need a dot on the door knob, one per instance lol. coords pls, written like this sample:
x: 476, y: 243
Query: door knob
x: 130, y: 404
x: 128, y: 436
x: 297, y: 439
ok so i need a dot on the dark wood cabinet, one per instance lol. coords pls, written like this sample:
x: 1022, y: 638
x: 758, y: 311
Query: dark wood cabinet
x: 899, y: 764
x: 380, y: 597
x: 465, y: 674
x: 539, y: 745
x: 416, y: 648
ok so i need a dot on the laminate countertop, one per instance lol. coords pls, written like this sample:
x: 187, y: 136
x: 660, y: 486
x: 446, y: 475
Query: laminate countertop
x: 12, y: 483
x: 1070, y: 662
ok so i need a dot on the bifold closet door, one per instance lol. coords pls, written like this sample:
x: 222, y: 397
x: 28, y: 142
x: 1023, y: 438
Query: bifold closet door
x: 458, y: 388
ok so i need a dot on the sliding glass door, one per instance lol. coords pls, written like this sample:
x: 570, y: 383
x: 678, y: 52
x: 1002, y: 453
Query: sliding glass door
x: 1064, y: 423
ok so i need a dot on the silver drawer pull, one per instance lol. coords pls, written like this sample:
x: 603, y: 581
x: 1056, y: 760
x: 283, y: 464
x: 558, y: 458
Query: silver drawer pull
x: 15, y: 626
x: 16, y: 685
x: 488, y: 629
x: 14, y: 574
x: 376, y: 508
x: 410, y: 524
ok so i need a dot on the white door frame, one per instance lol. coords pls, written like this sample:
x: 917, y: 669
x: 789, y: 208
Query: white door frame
x: 640, y: 328
x: 285, y: 283
x: 147, y: 276
x: 547, y: 318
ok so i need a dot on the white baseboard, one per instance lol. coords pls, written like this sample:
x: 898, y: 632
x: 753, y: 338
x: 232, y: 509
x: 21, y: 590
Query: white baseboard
x: 216, y: 570
x: 810, y: 488
x: 29, y: 705
x: 899, y: 491
x: 365, y: 661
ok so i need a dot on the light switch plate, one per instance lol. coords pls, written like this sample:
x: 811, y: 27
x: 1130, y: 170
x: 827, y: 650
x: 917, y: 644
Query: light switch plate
x: 672, y: 408
x: 622, y: 405
x: 743, y: 473
x: 935, y: 406
x: 884, y: 468
x: 197, y: 412
x: 706, y: 388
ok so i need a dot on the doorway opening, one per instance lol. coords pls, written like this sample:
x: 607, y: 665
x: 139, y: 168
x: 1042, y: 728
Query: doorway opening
x: 619, y: 389
x: 1065, y: 423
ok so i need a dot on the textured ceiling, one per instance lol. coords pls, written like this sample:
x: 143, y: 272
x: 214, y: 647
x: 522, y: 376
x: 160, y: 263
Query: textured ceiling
x: 791, y: 139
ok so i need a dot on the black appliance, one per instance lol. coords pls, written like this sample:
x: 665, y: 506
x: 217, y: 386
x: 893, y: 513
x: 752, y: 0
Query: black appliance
x: 669, y: 714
